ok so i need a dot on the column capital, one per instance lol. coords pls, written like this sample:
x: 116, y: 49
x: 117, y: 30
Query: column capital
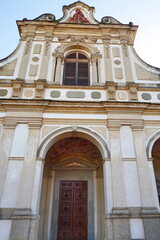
x: 113, y: 125
x: 95, y: 56
x: 59, y: 55
x: 35, y: 123
x: 137, y: 126
x: 9, y: 122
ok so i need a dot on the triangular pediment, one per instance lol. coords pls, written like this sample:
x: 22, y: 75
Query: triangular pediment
x: 74, y: 163
x: 79, y: 13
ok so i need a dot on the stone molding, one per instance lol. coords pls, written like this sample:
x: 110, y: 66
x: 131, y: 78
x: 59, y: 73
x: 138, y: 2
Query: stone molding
x: 106, y: 160
x: 9, y: 122
x: 137, y: 125
x: 40, y: 159
x: 118, y: 213
x: 129, y: 159
x: 113, y: 124
x: 16, y: 159
x: 17, y: 213
x: 133, y: 212
x: 35, y: 124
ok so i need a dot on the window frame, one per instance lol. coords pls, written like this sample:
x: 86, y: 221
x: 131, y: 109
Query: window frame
x: 77, y: 62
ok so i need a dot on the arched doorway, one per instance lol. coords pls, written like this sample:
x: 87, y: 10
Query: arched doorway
x: 72, y: 198
x: 156, y: 164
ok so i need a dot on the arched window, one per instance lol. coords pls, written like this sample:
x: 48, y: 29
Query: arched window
x: 76, y: 70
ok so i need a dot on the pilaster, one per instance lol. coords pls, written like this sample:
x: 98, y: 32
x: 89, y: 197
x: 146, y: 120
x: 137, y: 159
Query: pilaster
x: 5, y: 147
x: 95, y: 68
x: 26, y: 54
x: 59, y: 59
x: 24, y: 224
x: 143, y: 166
x: 108, y: 64
x: 46, y: 54
x: 126, y: 58
x: 119, y: 197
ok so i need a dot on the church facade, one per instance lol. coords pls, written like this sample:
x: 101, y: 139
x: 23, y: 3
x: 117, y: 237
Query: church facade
x: 80, y: 132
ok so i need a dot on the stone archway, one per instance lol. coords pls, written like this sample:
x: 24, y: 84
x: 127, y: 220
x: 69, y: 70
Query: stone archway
x: 156, y: 164
x: 72, y: 158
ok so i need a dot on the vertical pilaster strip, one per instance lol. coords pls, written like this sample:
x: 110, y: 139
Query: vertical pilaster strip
x: 24, y: 224
x: 94, y: 72
x: 119, y: 196
x: 108, y: 64
x: 127, y: 64
x: 5, y: 146
x: 28, y: 172
x: 49, y: 203
x: 143, y: 167
x: 59, y: 56
x: 45, y: 59
x: 108, y: 194
x: 53, y: 68
x: 95, y: 59
x: 108, y: 197
x: 25, y: 58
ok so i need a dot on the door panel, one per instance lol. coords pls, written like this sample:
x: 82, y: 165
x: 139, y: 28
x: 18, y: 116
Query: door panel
x: 72, y: 214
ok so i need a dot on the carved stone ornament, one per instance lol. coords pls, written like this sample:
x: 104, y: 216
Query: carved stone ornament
x: 75, y: 165
x: 133, y: 93
x: 78, y: 17
x: 39, y: 89
x: 125, y: 49
x: 17, y: 86
x: 109, y: 20
x: 46, y: 17
x: 78, y: 39
x: 28, y: 46
x: 58, y: 54
x: 124, y: 46
x: 47, y: 46
x: 64, y: 37
x: 111, y: 92
x: 107, y: 50
x: 95, y: 56
x: 92, y: 39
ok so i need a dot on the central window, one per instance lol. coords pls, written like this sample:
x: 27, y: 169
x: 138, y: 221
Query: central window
x: 76, y: 70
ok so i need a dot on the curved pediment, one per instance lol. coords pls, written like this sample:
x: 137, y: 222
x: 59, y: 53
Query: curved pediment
x: 78, y: 13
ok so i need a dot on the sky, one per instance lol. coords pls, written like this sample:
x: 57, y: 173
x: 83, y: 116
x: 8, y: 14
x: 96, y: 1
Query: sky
x: 144, y: 13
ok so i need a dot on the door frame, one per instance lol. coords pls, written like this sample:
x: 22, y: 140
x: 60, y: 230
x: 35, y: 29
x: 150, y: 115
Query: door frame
x: 73, y: 175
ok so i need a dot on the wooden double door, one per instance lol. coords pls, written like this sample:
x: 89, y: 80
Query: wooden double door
x: 72, y: 213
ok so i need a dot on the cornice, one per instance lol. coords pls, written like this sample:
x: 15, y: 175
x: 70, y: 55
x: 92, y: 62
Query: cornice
x: 106, y: 86
x: 40, y: 106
